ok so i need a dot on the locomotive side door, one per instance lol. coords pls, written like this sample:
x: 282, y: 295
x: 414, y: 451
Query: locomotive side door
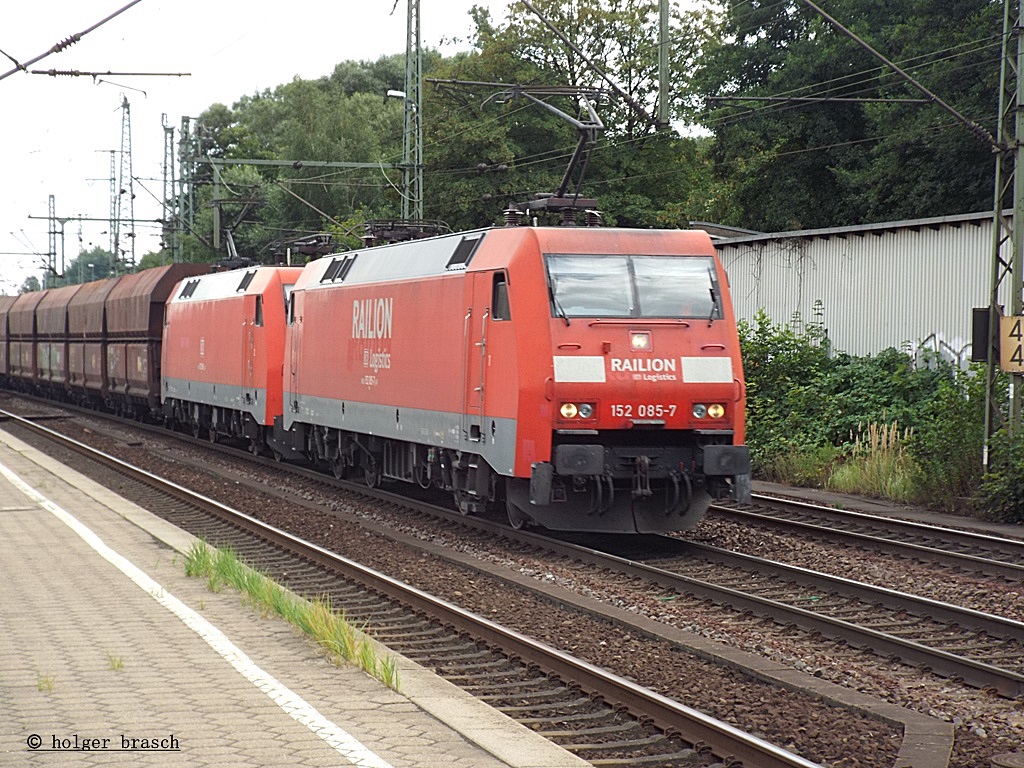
x: 490, y: 372
x: 250, y: 319
x: 292, y: 352
x: 474, y: 354
x: 247, y: 343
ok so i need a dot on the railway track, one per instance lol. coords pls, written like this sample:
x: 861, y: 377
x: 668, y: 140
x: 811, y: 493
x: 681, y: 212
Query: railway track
x: 980, y: 649
x: 977, y: 648
x: 993, y: 556
x: 604, y: 718
x: 460, y: 532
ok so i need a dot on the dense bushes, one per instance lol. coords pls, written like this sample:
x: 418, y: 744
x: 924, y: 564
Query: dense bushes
x: 1001, y: 495
x: 880, y: 425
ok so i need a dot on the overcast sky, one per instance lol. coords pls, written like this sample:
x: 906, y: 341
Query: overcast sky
x: 58, y: 132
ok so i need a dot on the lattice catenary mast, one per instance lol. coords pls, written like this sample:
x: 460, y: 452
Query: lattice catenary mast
x: 412, y: 143
x: 122, y: 192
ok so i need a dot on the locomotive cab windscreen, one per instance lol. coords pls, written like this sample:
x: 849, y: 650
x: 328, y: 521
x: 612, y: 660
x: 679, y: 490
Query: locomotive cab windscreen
x: 645, y: 390
x: 633, y: 286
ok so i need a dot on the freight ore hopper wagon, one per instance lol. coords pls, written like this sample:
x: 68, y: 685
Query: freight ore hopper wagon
x: 134, y: 317
x: 22, y: 344
x: 6, y: 302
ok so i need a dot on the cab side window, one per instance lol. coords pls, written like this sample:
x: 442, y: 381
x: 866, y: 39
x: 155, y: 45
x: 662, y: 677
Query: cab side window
x: 500, y: 309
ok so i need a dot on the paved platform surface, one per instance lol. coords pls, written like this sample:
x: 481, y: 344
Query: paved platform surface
x: 110, y: 655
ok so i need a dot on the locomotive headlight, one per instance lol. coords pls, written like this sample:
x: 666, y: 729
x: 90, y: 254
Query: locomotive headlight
x: 577, y: 410
x: 640, y: 341
x: 700, y: 410
x: 716, y: 411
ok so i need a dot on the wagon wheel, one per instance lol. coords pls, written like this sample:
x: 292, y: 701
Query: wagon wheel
x: 211, y: 434
x: 196, y: 430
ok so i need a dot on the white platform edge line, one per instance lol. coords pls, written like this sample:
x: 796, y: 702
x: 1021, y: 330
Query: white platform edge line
x: 294, y: 705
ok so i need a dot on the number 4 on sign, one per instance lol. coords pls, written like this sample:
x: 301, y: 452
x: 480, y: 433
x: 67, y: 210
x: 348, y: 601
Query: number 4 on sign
x: 1011, y: 344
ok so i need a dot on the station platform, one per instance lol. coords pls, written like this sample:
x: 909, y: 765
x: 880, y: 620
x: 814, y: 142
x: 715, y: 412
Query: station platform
x: 110, y: 655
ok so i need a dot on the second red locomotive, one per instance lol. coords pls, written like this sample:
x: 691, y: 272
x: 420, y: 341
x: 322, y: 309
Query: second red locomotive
x: 223, y: 352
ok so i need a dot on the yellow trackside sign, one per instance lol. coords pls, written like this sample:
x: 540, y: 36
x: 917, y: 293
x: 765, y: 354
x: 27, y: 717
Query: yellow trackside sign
x: 1011, y: 344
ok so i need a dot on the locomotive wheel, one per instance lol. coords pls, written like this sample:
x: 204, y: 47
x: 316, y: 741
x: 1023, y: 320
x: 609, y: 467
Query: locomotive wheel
x: 463, y: 503
x: 211, y: 435
x: 516, y: 517
x: 338, y: 468
x: 196, y: 430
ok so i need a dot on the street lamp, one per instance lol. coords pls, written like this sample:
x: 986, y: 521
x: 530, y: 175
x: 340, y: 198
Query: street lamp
x: 91, y: 272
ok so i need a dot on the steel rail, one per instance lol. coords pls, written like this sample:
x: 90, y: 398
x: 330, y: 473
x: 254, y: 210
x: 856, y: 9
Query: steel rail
x: 909, y: 525
x: 972, y: 672
x: 1012, y: 547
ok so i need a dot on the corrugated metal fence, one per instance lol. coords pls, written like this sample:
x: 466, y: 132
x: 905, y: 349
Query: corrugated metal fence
x: 910, y: 285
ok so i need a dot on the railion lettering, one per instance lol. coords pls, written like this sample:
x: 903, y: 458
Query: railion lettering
x: 643, y: 364
x: 371, y: 318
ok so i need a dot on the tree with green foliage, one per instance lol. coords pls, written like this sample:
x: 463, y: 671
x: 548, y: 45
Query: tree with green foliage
x: 797, y: 165
x: 488, y: 155
x: 329, y: 119
x: 95, y: 264
x: 30, y: 284
x: 479, y: 154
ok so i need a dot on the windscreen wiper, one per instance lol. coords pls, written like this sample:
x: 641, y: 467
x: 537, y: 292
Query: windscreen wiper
x: 714, y: 298
x: 557, y: 305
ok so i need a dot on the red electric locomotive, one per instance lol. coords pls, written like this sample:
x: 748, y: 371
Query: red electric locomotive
x: 223, y: 347
x: 590, y: 378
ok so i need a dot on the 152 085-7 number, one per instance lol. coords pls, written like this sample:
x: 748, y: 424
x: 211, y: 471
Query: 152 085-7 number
x: 643, y: 411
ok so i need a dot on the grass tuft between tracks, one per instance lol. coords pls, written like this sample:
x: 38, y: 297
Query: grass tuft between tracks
x: 317, y: 618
